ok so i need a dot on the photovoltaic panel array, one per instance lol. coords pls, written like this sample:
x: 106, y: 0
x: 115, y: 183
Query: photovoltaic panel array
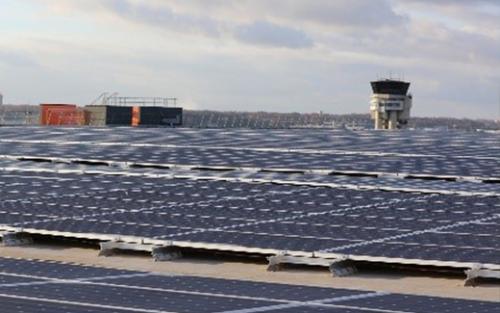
x: 355, y: 182
x: 33, y: 286
x: 313, y: 208
x: 478, y: 144
x: 447, y: 230
x: 421, y: 153
x: 256, y: 159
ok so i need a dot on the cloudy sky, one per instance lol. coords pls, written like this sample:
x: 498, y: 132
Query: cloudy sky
x: 272, y: 55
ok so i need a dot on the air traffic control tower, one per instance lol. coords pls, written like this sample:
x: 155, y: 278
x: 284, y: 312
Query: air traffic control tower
x: 390, y: 103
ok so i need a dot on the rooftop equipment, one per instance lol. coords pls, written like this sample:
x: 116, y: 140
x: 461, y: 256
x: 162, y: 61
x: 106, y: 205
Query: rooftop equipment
x: 162, y: 116
x: 390, y: 103
x: 60, y: 114
x: 102, y: 115
x: 111, y: 109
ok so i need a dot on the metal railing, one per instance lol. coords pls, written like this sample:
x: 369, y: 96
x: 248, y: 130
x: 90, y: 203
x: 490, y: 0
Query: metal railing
x: 140, y: 101
x: 113, y: 99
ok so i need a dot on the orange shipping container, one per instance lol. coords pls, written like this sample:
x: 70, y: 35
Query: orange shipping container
x: 60, y: 114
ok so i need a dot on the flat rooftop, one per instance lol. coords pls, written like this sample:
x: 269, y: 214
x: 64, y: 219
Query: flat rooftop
x: 413, y: 211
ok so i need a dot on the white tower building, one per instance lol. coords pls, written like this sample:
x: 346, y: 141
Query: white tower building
x: 390, y: 103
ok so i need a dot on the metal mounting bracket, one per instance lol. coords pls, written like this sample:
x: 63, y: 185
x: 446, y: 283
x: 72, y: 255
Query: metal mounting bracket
x: 478, y: 271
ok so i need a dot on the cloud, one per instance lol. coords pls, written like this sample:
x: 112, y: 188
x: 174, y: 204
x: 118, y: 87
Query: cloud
x: 160, y: 16
x: 269, y: 34
x: 459, y: 2
x: 279, y: 55
x: 342, y: 13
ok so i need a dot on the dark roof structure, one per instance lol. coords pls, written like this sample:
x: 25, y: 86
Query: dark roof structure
x: 389, y: 86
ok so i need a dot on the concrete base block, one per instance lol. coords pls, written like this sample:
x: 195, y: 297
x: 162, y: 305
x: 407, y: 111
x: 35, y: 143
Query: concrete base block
x: 109, y: 248
x: 16, y: 239
x: 338, y: 267
x: 159, y: 253
x: 166, y: 253
x: 342, y: 268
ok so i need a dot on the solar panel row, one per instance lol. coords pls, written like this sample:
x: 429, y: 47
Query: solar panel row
x: 353, y: 182
x: 235, y: 216
x: 31, y: 286
x: 422, y: 142
x: 230, y: 158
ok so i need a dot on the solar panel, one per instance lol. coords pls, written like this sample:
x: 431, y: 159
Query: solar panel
x: 444, y: 154
x: 36, y: 286
x: 277, y: 190
x: 475, y: 144
x: 256, y: 159
x: 354, y: 182
x: 266, y: 218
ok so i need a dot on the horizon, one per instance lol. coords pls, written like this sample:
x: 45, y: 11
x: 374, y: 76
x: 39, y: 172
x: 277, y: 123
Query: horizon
x: 272, y: 56
x: 295, y: 112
